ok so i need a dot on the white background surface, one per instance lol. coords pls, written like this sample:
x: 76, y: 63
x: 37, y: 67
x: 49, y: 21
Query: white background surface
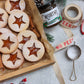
x: 47, y: 75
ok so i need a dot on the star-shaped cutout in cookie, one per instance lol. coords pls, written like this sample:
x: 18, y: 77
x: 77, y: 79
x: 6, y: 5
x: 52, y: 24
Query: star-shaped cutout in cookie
x: 15, y: 5
x: 19, y: 21
x: 7, y: 43
x: 13, y: 58
x: 33, y: 50
x: 25, y: 39
x: 1, y: 16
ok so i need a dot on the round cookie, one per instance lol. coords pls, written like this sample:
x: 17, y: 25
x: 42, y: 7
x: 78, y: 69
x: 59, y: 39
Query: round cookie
x: 13, y: 60
x: 33, y: 50
x: 25, y: 36
x: 8, y: 43
x: 18, y: 21
x: 3, y: 18
x: 13, y: 5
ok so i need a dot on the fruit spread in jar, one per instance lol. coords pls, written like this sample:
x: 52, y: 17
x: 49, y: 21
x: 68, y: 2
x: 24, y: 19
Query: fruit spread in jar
x: 49, y: 12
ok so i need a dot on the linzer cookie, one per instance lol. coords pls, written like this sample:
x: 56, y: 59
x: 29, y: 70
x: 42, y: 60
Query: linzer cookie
x: 8, y: 43
x: 33, y: 50
x: 12, y: 5
x: 3, y: 18
x: 18, y: 21
x: 25, y: 36
x: 13, y: 60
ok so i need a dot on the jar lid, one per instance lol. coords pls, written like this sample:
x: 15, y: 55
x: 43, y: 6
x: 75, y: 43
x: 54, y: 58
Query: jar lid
x: 41, y: 3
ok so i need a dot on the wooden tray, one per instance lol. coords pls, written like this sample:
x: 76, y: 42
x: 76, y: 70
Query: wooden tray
x: 32, y: 10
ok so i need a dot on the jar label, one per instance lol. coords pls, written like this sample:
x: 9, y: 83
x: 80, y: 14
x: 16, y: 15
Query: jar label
x: 51, y: 17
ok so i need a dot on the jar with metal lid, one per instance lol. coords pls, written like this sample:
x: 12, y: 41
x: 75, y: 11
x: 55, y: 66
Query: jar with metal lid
x: 49, y: 12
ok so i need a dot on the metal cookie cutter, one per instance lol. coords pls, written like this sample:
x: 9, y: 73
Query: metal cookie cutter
x: 73, y: 53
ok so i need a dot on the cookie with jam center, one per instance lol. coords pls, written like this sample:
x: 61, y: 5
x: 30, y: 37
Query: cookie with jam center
x: 18, y: 21
x: 13, y: 60
x: 8, y: 43
x: 25, y: 36
x: 13, y: 5
x: 3, y: 18
x: 33, y: 50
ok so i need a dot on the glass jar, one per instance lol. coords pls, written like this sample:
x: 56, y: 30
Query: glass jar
x: 49, y: 12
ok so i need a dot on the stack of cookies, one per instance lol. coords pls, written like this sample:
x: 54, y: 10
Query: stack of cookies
x: 17, y: 42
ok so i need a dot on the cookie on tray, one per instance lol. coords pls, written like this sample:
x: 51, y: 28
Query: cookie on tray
x: 13, y: 60
x: 3, y: 18
x: 25, y: 36
x: 33, y: 50
x: 8, y: 43
x: 13, y: 5
x: 18, y: 21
